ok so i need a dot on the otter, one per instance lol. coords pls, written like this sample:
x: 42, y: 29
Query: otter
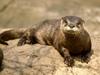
x: 67, y: 35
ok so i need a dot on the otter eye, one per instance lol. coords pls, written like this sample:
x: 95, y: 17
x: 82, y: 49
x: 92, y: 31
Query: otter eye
x: 65, y: 22
x: 65, y: 25
x: 78, y: 25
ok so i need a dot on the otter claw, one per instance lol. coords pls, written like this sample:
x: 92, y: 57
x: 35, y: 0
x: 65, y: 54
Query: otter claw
x: 85, y: 59
x: 69, y: 61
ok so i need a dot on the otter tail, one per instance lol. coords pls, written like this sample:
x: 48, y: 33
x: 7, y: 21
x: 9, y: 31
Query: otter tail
x: 10, y: 35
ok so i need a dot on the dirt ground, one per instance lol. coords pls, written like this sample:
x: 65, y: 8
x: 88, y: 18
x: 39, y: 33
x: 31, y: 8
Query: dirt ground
x: 25, y: 13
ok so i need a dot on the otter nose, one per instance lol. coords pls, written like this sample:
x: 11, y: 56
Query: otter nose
x: 71, y: 26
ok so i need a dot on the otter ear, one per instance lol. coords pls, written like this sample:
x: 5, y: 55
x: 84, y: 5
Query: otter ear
x: 66, y: 20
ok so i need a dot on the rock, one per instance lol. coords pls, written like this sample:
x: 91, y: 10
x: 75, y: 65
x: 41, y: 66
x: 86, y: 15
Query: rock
x: 44, y: 60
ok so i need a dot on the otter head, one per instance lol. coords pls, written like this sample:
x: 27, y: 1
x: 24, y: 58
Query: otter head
x: 72, y: 25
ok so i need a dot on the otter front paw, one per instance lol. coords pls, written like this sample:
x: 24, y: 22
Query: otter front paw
x: 85, y: 58
x: 69, y: 61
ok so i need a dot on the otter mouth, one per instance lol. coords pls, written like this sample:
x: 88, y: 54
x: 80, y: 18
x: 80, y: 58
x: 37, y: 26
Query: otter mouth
x: 73, y: 31
x: 70, y: 31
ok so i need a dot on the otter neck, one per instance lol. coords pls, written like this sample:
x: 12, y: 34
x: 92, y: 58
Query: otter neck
x: 72, y: 37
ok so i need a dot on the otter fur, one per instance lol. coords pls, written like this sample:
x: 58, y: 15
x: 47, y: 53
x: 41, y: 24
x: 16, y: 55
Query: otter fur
x: 67, y: 35
x: 10, y: 34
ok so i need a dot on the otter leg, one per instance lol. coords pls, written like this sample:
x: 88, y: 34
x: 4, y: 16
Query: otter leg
x: 67, y: 57
x: 27, y: 39
x: 85, y: 56
x: 22, y: 41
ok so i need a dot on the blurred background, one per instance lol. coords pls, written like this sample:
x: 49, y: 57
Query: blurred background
x: 25, y: 13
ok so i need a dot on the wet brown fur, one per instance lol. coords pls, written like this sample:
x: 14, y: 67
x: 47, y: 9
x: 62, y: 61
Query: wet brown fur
x: 49, y: 32
x: 10, y: 35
